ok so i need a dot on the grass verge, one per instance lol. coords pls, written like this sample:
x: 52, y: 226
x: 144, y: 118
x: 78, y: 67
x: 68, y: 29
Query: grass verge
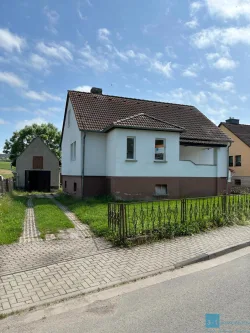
x: 12, y: 213
x: 49, y: 218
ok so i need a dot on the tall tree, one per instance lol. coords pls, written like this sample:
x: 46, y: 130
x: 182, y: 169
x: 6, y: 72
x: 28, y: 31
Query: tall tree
x: 21, y: 139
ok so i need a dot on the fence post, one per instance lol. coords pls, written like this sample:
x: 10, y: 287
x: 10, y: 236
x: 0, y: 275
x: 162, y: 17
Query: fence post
x: 122, y: 223
x: 183, y: 210
x: 224, y: 204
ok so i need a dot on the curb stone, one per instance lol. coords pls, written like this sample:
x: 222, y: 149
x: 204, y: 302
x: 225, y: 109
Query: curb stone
x: 181, y: 264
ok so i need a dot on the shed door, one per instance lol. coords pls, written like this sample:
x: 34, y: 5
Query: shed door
x: 37, y: 162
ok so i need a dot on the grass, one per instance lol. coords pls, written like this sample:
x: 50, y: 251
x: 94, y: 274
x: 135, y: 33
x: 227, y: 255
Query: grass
x: 5, y: 169
x: 49, y: 218
x: 161, y: 217
x: 12, y: 213
x: 93, y: 212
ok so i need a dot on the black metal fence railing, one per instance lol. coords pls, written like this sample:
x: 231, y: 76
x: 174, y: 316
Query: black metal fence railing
x: 170, y: 218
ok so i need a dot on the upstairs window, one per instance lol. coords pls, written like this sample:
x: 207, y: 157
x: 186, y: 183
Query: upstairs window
x: 160, y: 150
x: 73, y: 151
x: 231, y: 161
x: 238, y: 160
x: 130, y: 148
x: 69, y: 116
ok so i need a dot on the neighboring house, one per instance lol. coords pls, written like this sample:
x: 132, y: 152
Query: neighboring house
x: 137, y: 149
x: 37, y: 168
x: 239, y: 151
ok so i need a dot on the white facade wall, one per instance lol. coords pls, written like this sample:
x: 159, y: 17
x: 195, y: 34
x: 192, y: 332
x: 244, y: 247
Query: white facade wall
x: 146, y: 167
x: 71, y: 134
x: 105, y: 155
x: 95, y: 154
x: 198, y: 155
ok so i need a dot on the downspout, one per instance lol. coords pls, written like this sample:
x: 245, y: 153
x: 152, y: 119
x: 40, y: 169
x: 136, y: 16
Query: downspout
x: 83, y: 161
x: 228, y: 147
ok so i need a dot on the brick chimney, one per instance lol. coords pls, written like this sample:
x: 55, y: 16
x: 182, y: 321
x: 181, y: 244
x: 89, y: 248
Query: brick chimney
x: 233, y: 121
x: 97, y: 91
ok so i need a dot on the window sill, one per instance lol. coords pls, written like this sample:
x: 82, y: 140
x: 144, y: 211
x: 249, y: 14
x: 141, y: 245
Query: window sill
x: 159, y: 161
x: 162, y: 196
x: 128, y: 160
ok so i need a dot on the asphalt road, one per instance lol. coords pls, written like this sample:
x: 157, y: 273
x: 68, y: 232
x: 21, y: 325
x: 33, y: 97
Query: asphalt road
x: 177, y: 305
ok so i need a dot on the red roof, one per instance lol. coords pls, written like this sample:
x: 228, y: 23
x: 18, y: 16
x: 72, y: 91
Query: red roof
x: 97, y: 112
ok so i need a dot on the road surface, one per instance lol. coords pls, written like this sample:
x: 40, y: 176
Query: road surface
x: 174, y: 302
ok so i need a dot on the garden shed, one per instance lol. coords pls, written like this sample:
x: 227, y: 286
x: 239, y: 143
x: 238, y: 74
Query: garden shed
x: 37, y: 168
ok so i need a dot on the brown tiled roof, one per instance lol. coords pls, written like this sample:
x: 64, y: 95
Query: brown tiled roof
x: 241, y: 131
x: 144, y: 121
x: 96, y: 112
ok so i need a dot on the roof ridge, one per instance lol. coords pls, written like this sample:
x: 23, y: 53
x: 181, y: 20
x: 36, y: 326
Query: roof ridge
x: 132, y: 98
x: 147, y: 115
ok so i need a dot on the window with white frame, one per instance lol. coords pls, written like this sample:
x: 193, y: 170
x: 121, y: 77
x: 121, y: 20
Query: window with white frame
x: 160, y: 150
x: 130, y: 148
x: 73, y: 151
x: 69, y: 116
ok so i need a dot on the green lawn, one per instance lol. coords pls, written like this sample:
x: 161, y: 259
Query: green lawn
x: 93, y: 212
x: 12, y: 213
x: 162, y: 216
x: 5, y: 169
x: 49, y: 218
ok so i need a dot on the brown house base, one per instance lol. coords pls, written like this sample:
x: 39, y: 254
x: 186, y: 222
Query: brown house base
x: 138, y: 188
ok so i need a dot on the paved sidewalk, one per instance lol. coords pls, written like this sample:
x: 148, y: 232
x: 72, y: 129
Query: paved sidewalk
x: 101, y: 268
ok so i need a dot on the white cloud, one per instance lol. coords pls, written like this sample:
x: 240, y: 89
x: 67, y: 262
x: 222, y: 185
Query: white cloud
x: 192, y: 70
x: 3, y: 122
x: 225, y: 84
x: 80, y: 14
x: 192, y: 24
x: 48, y: 112
x: 216, y: 98
x: 243, y: 98
x: 53, y: 18
x: 118, y: 36
x: 229, y: 9
x: 195, y: 7
x: 56, y: 51
x: 103, y: 34
x: 14, y: 108
x: 10, y: 42
x: 88, y: 2
x: 128, y: 86
x: 163, y: 68
x: 225, y: 64
x: 41, y: 96
x: 225, y: 36
x: 170, y: 52
x: 21, y: 124
x: 94, y: 60
x: 212, y: 56
x: 38, y: 62
x: 12, y: 80
x: 83, y: 88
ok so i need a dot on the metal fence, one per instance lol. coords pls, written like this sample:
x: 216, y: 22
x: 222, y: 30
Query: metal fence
x: 6, y: 185
x: 171, y: 218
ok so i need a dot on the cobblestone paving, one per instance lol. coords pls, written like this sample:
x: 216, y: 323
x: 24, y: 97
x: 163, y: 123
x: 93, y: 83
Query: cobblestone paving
x: 30, y: 232
x: 98, y: 268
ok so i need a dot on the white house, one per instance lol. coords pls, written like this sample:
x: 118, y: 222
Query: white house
x: 137, y: 149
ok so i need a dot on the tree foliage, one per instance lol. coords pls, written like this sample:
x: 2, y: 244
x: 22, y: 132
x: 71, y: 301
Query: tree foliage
x: 21, y: 139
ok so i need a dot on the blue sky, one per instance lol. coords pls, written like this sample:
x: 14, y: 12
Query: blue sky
x: 189, y: 52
